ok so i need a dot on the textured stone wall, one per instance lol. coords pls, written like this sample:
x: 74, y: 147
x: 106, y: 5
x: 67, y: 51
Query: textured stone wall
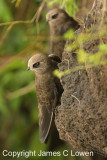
x: 81, y: 119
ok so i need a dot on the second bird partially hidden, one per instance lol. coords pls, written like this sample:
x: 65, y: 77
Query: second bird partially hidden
x: 60, y: 22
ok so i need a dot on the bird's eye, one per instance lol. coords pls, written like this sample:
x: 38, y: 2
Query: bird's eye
x: 54, y: 16
x: 35, y: 65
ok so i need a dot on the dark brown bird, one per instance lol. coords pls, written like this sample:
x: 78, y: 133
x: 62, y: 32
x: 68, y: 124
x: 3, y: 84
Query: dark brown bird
x: 59, y: 22
x: 48, y: 90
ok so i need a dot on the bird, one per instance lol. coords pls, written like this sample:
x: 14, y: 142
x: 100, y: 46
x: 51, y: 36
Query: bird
x: 48, y: 90
x: 59, y: 23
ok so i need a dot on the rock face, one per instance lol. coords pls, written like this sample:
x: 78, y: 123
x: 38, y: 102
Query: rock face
x: 81, y: 119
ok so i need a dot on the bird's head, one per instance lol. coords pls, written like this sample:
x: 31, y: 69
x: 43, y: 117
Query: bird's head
x: 56, y: 16
x: 39, y: 63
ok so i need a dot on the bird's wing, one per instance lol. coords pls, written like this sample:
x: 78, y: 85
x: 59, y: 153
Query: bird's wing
x: 55, y: 58
x: 47, y: 103
x: 71, y: 24
x: 45, y: 120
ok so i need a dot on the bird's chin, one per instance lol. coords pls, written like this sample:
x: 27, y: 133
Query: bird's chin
x: 38, y: 72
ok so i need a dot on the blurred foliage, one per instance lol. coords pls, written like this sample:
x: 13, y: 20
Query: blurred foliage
x: 18, y: 104
x: 5, y: 11
x: 69, y: 5
x: 20, y: 38
x: 77, y: 43
x: 79, y: 40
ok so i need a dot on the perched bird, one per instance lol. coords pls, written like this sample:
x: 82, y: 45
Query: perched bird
x: 59, y: 22
x: 48, y: 90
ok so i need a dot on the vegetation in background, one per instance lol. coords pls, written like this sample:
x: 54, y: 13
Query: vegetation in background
x: 21, y: 37
x: 69, y: 5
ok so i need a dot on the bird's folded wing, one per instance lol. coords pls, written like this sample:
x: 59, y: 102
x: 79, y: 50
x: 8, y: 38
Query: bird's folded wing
x: 45, y: 120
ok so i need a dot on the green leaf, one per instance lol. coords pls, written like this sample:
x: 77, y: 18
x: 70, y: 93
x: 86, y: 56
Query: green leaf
x: 5, y: 13
x: 82, y: 56
x: 71, y: 7
x: 53, y: 2
x: 70, y: 35
x: 103, y: 47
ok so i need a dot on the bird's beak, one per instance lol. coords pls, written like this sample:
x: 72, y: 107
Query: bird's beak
x: 47, y: 20
x: 28, y: 68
